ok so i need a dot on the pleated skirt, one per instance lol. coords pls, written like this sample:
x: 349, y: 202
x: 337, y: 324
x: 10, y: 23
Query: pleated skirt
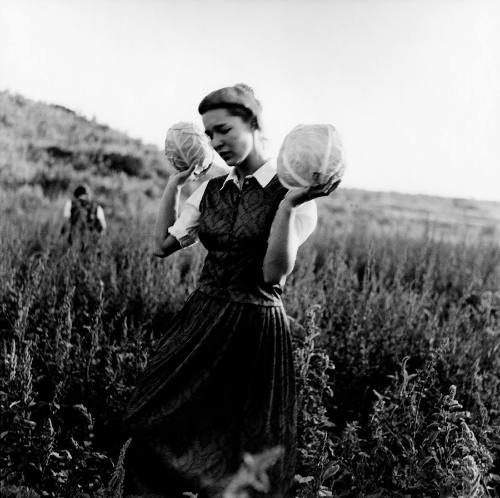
x: 220, y: 384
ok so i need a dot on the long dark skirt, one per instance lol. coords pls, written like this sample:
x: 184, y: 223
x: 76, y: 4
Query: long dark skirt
x: 220, y: 384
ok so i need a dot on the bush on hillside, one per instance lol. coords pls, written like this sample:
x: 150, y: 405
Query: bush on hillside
x: 126, y: 163
x: 54, y: 182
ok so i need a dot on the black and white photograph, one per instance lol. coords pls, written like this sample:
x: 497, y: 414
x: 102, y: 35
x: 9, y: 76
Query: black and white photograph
x: 249, y: 248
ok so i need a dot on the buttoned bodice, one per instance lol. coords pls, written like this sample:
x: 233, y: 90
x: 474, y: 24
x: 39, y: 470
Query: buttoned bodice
x: 234, y: 228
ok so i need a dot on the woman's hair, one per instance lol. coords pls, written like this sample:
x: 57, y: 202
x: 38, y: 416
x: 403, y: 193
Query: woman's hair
x: 238, y: 100
x: 80, y: 190
x: 245, y: 114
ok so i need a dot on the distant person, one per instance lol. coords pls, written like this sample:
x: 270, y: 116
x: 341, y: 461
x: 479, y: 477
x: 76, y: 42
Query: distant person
x: 82, y: 215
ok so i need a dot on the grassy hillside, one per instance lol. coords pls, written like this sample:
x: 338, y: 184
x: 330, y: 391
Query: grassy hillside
x: 48, y: 139
x: 47, y: 149
x: 413, y: 215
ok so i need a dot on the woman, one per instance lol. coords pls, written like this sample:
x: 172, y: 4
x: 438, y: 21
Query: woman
x: 221, y: 383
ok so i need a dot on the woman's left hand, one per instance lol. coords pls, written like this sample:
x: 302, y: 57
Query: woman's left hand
x: 299, y: 196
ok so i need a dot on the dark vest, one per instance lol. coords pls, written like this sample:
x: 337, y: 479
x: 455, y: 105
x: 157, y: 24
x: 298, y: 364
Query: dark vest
x: 83, y: 218
x: 234, y: 228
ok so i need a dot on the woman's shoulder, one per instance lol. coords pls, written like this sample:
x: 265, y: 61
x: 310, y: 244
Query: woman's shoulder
x: 217, y: 181
x: 200, y: 190
x: 209, y: 188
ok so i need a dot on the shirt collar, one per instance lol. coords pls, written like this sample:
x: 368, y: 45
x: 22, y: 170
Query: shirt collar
x: 263, y: 175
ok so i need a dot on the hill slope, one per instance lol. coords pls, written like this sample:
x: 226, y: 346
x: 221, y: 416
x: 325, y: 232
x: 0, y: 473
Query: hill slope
x: 39, y: 137
x: 413, y: 215
x: 45, y: 150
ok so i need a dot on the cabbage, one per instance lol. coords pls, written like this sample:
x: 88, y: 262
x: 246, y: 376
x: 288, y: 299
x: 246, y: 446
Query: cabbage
x: 310, y: 155
x: 187, y: 144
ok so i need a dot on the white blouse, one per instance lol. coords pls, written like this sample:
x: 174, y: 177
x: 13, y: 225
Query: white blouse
x: 185, y: 229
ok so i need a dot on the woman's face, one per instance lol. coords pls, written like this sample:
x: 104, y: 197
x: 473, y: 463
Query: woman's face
x: 231, y: 137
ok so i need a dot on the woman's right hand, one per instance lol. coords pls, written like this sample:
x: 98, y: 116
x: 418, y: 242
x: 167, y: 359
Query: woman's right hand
x: 180, y: 177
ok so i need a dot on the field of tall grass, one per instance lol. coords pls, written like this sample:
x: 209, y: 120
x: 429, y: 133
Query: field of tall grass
x: 397, y: 349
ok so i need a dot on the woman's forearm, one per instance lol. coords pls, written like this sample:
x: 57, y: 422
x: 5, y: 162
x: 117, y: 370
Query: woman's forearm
x: 167, y: 214
x: 282, y: 245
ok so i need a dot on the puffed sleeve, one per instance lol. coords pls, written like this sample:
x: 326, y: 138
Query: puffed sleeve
x: 67, y: 209
x: 185, y: 228
x: 101, y: 217
x: 306, y: 219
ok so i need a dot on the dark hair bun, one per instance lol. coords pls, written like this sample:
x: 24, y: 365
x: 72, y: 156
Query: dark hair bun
x: 238, y: 95
x: 245, y: 87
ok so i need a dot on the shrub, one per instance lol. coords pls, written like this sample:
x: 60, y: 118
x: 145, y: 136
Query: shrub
x: 125, y: 163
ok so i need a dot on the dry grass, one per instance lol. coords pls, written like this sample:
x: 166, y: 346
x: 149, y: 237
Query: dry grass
x: 383, y: 326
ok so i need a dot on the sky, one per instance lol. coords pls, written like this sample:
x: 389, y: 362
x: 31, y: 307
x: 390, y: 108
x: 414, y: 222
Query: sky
x: 413, y: 86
